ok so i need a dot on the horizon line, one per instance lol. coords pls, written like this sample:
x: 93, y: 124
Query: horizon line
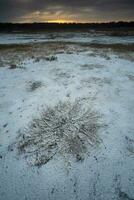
x: 49, y: 22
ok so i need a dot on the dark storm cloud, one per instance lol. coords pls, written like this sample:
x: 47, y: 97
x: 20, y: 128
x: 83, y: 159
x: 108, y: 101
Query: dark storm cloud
x: 12, y: 10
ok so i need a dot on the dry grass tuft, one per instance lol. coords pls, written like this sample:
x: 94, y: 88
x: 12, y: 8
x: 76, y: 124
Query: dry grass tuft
x: 34, y: 85
x: 67, y: 128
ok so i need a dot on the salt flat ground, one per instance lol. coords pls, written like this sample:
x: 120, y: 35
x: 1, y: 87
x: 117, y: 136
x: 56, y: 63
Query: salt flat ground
x: 39, y: 71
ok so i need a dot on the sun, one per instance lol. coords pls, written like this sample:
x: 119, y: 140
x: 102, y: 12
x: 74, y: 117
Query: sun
x: 60, y: 21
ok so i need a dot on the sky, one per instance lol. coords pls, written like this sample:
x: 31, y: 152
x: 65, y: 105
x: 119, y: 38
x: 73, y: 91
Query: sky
x: 82, y: 11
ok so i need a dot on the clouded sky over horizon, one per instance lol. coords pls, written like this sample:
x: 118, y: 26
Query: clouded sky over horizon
x: 66, y: 11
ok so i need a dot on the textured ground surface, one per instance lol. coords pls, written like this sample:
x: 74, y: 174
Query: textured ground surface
x: 79, y: 92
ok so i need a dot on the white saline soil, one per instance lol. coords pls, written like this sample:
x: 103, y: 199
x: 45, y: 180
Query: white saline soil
x: 107, y: 172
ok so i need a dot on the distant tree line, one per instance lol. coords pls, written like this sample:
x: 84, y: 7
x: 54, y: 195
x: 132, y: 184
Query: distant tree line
x: 40, y: 27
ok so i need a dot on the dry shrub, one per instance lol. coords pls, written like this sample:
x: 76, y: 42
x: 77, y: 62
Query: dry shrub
x: 67, y: 128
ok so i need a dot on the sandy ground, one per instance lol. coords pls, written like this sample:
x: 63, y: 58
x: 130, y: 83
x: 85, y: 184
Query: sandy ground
x: 40, y: 75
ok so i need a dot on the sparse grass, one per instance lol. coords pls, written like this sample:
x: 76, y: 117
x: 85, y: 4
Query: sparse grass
x: 104, y: 53
x: 118, y: 32
x: 66, y: 46
x: 95, y: 80
x: 47, y: 58
x: 114, y: 47
x: 33, y: 85
x: 67, y: 128
x: 124, y: 51
x: 1, y: 63
x: 91, y: 66
x: 48, y: 50
x: 16, y: 65
x: 124, y: 196
x: 19, y: 52
x: 131, y: 77
x: 14, y: 47
x: 131, y: 150
x: 62, y: 74
x: 130, y: 145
